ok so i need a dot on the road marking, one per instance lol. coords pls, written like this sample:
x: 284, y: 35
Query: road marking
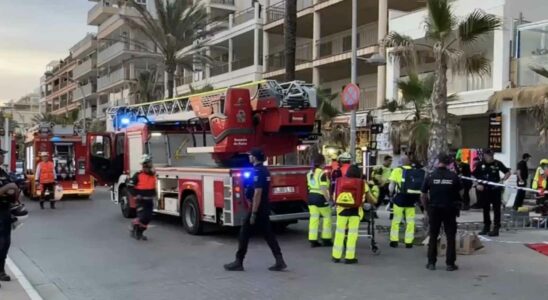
x: 29, y: 289
x: 484, y: 239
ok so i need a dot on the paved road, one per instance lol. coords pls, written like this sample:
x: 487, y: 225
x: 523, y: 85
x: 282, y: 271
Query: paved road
x: 82, y: 251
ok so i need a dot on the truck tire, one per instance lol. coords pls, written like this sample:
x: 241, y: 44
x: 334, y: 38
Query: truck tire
x: 123, y: 199
x: 190, y: 215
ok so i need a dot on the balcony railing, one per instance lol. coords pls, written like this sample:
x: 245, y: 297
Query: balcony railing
x: 303, y: 54
x: 115, y: 49
x: 242, y: 63
x: 84, y: 68
x: 368, y: 99
x: 219, y: 69
x: 87, y: 41
x: 276, y: 11
x: 342, y: 42
x: 244, y: 16
x: 87, y: 90
x: 222, y: 2
x: 112, y: 78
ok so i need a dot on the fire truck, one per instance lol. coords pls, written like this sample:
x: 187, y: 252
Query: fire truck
x: 65, y: 148
x: 199, y: 143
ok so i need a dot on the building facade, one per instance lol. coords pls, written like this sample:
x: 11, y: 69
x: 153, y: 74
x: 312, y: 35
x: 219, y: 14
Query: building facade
x: 58, y: 87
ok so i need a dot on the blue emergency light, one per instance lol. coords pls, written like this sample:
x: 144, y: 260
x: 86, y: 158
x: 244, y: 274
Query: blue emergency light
x: 247, y: 174
x: 125, y: 121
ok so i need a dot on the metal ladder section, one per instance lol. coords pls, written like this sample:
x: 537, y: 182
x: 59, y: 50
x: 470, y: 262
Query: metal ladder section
x: 180, y: 109
x: 227, y: 217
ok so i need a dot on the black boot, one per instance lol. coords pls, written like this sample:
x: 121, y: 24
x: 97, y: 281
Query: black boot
x: 52, y: 204
x: 41, y: 204
x: 315, y: 244
x: 485, y: 230
x: 138, y: 232
x: 133, y: 231
x: 327, y: 243
x: 4, y: 277
x: 279, y: 265
x: 236, y: 265
x: 394, y: 244
x: 495, y: 232
x: 431, y: 266
x: 142, y: 234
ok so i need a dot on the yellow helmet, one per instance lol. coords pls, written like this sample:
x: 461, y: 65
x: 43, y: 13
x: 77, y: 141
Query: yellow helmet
x: 544, y: 161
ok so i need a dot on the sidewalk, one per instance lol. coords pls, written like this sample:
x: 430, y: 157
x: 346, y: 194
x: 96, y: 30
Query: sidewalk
x: 12, y: 290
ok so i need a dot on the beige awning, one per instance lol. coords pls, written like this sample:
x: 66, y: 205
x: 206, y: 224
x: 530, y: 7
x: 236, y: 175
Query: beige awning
x: 521, y: 97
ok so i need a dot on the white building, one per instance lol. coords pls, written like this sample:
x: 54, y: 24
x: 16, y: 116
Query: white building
x: 473, y: 92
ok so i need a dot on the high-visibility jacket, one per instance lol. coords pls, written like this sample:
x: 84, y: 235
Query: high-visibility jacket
x: 539, y: 182
x: 46, y: 172
x: 317, y: 180
x: 143, y: 184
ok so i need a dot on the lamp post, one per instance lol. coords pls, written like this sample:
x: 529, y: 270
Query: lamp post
x: 376, y: 59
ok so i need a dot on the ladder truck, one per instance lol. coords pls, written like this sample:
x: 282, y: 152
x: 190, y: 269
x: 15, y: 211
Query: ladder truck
x: 199, y: 145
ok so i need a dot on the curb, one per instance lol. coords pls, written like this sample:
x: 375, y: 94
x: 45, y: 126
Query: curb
x: 23, y: 281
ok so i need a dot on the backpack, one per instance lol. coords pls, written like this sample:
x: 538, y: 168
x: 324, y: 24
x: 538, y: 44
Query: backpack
x: 413, y: 179
x: 349, y: 192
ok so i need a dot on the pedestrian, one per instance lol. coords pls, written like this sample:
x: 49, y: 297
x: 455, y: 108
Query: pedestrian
x: 142, y: 186
x: 46, y: 177
x: 463, y: 169
x: 522, y: 171
x: 381, y: 174
x: 441, y: 196
x: 405, y: 184
x: 350, y: 192
x: 479, y: 201
x: 318, y: 203
x: 8, y: 194
x: 489, y: 169
x: 258, y: 217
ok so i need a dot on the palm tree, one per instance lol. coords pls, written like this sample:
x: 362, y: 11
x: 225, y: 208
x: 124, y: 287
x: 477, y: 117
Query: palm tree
x: 290, y: 37
x: 179, y: 33
x: 447, y: 39
x: 146, y: 87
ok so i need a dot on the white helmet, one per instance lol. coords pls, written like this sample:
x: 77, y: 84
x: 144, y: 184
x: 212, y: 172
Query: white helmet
x: 345, y: 157
x: 145, y: 158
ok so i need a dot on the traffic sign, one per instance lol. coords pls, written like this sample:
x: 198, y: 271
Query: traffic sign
x: 351, y: 97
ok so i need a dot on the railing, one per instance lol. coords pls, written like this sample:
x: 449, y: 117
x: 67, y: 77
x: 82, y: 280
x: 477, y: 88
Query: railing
x: 219, y: 69
x: 466, y: 83
x: 223, y: 2
x: 96, y: 9
x: 83, y: 68
x: 112, y: 78
x: 368, y: 99
x: 242, y: 63
x: 526, y: 76
x: 342, y: 42
x: 106, y: 54
x: 89, y: 37
x: 276, y: 11
x: 87, y: 90
x: 244, y: 16
x: 303, y: 54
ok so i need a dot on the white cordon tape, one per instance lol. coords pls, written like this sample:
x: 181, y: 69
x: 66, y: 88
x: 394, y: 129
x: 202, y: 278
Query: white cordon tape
x: 23, y: 281
x: 485, y: 182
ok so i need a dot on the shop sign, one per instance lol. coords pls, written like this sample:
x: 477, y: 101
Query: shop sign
x: 495, y: 132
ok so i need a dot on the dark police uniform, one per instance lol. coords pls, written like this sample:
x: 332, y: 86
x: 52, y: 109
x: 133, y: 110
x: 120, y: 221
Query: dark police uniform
x: 491, y: 195
x: 443, y: 187
x: 5, y: 221
x: 261, y: 179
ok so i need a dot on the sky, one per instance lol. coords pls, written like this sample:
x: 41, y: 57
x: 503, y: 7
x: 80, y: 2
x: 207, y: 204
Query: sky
x: 32, y: 34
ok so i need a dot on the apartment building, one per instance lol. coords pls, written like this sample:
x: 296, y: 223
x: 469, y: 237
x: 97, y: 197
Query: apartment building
x: 473, y: 93
x: 58, y: 87
x: 24, y: 109
x: 121, y: 53
x: 237, y: 49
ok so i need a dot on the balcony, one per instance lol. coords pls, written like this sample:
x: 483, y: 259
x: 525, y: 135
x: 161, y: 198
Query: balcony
x: 112, y: 79
x: 115, y: 21
x: 303, y: 54
x: 85, y: 68
x: 342, y: 42
x: 87, y: 90
x: 223, y: 4
x: 276, y: 11
x: 84, y: 46
x: 101, y: 12
x: 243, y: 16
x: 111, y: 52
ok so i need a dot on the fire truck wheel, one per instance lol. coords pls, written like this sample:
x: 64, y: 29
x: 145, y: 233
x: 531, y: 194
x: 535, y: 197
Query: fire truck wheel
x: 127, y: 211
x: 190, y: 215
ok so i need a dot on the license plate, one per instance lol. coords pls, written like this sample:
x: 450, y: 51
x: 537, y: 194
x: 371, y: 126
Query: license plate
x: 283, y: 190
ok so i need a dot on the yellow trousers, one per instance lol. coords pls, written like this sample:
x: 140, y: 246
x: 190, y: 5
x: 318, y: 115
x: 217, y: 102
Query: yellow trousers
x: 344, y: 224
x: 399, y: 213
x: 314, y: 222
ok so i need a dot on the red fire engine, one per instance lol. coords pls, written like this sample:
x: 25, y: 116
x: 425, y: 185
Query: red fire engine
x: 199, y: 143
x: 69, y: 156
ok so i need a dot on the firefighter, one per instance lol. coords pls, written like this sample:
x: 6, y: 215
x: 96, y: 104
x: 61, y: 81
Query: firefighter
x: 381, y: 174
x: 318, y: 203
x: 8, y: 192
x: 350, y: 191
x: 441, y: 196
x: 405, y: 184
x: 142, y: 186
x: 344, y: 161
x: 258, y: 218
x: 540, y: 183
x: 489, y: 169
x: 46, y: 178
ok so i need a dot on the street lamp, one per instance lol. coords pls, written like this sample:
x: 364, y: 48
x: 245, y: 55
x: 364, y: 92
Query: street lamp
x: 376, y: 59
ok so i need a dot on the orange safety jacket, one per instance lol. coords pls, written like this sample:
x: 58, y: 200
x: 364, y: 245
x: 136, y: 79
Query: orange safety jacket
x: 143, y: 184
x: 46, y: 172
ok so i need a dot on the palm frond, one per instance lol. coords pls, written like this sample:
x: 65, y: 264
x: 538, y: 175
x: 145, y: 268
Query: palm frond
x: 542, y: 71
x: 403, y: 46
x: 463, y: 63
x: 440, y: 21
x: 326, y: 110
x: 476, y: 25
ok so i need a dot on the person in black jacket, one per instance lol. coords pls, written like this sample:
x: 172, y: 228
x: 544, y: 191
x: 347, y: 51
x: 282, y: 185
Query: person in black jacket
x: 463, y: 169
x: 8, y: 192
x: 441, y: 196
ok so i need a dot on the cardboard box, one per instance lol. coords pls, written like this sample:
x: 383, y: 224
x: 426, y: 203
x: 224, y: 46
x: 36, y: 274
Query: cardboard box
x: 442, y: 244
x: 467, y: 243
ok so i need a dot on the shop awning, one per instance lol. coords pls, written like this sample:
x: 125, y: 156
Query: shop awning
x: 521, y: 97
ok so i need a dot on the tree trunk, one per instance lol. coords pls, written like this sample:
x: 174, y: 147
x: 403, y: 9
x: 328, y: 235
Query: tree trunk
x: 438, y: 131
x: 170, y: 82
x: 290, y: 35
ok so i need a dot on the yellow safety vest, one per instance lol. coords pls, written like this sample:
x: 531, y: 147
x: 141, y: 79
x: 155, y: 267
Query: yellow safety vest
x: 539, y: 176
x: 315, y: 183
x: 397, y: 177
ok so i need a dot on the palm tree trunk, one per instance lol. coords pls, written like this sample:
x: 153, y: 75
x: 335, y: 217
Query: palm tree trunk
x: 290, y: 35
x: 170, y: 82
x: 438, y: 131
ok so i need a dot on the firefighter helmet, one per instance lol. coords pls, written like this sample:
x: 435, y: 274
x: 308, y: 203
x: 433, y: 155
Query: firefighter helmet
x: 345, y: 157
x: 146, y: 159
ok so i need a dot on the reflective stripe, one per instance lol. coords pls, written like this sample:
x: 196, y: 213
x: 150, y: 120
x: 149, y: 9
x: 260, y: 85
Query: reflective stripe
x: 341, y: 230
x: 353, y: 231
x: 337, y: 248
x: 314, y: 215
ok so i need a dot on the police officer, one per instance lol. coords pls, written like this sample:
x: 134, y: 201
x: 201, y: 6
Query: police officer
x: 258, y: 217
x: 8, y: 192
x: 318, y: 204
x: 142, y: 186
x: 489, y: 169
x: 441, y: 196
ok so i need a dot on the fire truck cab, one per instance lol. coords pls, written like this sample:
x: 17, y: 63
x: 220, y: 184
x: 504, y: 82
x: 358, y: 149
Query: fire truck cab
x: 199, y: 145
x: 68, y: 154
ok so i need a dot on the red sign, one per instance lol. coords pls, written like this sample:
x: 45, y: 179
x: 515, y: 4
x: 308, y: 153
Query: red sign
x: 351, y: 97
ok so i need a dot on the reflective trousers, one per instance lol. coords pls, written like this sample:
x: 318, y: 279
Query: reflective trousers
x: 314, y: 223
x: 145, y: 208
x: 399, y: 214
x: 350, y: 224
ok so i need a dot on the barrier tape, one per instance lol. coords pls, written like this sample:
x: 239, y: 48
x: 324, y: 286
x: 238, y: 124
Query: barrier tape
x: 485, y: 182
